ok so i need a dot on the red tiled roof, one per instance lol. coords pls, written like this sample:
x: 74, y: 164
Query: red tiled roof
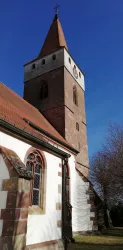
x: 54, y: 39
x: 13, y: 109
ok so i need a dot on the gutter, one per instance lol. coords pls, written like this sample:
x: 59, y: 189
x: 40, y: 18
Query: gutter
x: 49, y: 135
x: 32, y: 138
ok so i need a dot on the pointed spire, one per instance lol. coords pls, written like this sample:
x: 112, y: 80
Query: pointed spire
x: 55, y: 37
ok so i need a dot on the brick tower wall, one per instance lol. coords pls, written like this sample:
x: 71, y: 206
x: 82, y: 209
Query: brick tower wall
x: 53, y: 106
x: 60, y: 110
x: 76, y: 114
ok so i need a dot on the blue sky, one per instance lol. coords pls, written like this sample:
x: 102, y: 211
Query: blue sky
x: 94, y: 34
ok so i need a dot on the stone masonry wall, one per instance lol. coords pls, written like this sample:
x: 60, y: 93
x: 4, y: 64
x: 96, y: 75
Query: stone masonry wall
x: 14, y: 214
x: 76, y: 114
x: 60, y: 110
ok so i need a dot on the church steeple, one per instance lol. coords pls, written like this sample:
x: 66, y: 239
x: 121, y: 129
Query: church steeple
x: 55, y: 38
x: 54, y: 84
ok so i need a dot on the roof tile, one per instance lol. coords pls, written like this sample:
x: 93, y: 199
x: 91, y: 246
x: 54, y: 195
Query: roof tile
x: 13, y: 109
x: 54, y: 39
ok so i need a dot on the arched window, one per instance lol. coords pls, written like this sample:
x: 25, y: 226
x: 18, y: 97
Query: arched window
x: 75, y: 97
x: 35, y: 164
x: 44, y: 90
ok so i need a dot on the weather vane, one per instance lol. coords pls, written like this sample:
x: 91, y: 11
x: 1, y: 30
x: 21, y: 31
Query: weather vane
x: 57, y: 8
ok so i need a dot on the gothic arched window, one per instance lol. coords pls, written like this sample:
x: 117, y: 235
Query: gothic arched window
x: 44, y: 90
x: 75, y: 96
x: 35, y: 164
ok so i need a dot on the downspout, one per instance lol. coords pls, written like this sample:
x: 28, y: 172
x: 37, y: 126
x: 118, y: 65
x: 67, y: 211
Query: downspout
x: 64, y: 237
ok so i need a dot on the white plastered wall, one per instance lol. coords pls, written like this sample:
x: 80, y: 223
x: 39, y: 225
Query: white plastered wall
x: 69, y: 66
x: 4, y: 174
x: 81, y: 210
x: 42, y: 227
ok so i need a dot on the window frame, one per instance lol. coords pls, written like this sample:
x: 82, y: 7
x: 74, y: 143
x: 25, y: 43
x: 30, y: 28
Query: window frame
x: 41, y: 206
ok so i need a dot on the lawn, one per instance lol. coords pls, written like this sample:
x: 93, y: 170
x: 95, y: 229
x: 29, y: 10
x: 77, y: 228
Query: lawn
x: 104, y: 242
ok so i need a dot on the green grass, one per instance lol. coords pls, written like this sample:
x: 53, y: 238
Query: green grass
x: 104, y: 242
x: 115, y: 232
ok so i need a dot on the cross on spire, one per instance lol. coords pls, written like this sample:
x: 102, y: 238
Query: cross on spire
x: 57, y: 8
x: 55, y: 38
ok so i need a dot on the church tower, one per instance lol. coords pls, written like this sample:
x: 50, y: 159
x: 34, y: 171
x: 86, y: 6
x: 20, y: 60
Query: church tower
x: 54, y: 84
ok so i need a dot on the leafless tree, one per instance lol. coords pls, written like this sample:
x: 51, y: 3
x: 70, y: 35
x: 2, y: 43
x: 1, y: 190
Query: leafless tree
x: 106, y: 168
x: 114, y: 150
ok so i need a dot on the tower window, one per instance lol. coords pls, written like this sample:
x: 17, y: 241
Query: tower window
x: 79, y: 74
x: 75, y: 96
x: 44, y: 90
x: 43, y: 62
x: 54, y: 57
x: 33, y: 66
x: 69, y: 60
x: 77, y: 126
x: 35, y: 164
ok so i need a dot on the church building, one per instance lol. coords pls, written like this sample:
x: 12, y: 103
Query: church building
x: 45, y: 192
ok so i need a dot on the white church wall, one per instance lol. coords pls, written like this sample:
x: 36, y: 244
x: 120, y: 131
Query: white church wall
x: 4, y: 174
x: 69, y: 64
x: 1, y: 226
x: 43, y: 227
x: 14, y: 144
x: 3, y: 199
x: 78, y: 198
x: 40, y: 227
x: 81, y: 209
